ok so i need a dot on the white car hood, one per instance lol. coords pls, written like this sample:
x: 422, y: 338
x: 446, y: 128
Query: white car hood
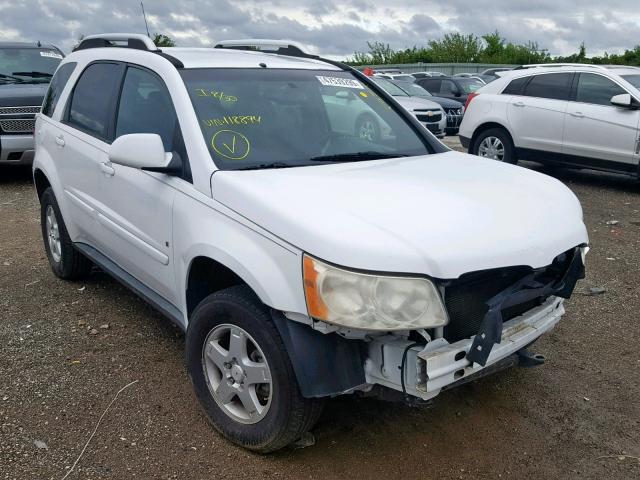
x: 441, y: 215
x: 416, y: 103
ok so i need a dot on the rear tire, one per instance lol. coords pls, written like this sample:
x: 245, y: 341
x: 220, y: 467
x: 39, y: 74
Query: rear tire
x: 66, y: 262
x: 277, y: 414
x: 495, y: 144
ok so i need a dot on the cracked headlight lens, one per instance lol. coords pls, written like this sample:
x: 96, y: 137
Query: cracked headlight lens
x: 368, y: 301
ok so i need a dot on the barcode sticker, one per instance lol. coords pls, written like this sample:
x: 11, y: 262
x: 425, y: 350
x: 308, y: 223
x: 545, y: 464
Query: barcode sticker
x: 339, y: 82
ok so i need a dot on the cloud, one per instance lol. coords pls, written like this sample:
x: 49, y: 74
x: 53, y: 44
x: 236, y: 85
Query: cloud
x: 331, y: 28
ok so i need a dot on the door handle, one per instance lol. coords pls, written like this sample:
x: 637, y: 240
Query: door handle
x: 519, y: 104
x: 576, y: 114
x: 107, y: 169
x: 60, y: 140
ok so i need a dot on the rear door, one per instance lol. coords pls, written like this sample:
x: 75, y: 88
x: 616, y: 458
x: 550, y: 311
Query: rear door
x: 82, y: 141
x: 536, y: 116
x: 597, y: 130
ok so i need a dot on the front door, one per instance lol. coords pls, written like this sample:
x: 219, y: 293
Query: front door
x: 136, y: 206
x: 597, y: 130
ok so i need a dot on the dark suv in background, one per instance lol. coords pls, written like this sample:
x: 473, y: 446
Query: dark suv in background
x: 454, y: 88
x: 25, y: 72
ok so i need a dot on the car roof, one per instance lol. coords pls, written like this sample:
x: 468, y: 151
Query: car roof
x: 568, y: 68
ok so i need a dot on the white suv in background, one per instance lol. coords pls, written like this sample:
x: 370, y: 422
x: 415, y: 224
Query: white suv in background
x: 583, y: 116
x: 303, y: 259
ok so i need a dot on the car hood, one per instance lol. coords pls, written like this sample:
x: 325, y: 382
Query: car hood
x: 446, y: 102
x: 415, y: 103
x: 441, y: 215
x: 22, y: 94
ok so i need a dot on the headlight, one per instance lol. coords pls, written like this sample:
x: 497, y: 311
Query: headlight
x: 371, y: 302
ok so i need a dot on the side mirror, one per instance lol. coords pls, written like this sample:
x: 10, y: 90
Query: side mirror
x: 457, y: 93
x: 140, y: 150
x: 624, y: 100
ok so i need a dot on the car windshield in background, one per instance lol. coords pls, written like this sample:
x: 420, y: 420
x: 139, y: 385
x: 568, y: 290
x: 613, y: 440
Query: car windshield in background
x: 272, y: 118
x: 389, y: 87
x: 469, y: 85
x: 28, y: 65
x: 414, y: 89
x: 633, y: 80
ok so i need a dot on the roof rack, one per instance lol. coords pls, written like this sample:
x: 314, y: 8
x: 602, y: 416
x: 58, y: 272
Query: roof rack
x: 135, y: 41
x: 126, y: 40
x: 558, y: 65
x: 279, y: 47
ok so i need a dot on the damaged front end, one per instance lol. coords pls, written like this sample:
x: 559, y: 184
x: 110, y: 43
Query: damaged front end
x: 493, y: 316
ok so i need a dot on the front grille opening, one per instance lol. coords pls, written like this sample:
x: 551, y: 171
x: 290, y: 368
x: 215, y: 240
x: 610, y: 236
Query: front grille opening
x: 466, y: 297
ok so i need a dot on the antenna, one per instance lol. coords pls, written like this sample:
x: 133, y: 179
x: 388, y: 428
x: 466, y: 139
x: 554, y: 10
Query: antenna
x: 145, y: 20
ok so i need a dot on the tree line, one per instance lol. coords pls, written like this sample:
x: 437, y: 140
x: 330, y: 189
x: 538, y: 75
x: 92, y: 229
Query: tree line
x: 490, y: 48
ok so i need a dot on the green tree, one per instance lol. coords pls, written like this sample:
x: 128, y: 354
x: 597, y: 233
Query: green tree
x: 161, y: 40
x: 456, y: 47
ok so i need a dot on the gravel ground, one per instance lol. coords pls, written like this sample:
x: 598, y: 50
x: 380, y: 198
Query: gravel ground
x: 67, y: 348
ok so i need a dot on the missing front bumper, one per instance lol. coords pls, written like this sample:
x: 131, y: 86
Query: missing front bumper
x: 441, y: 365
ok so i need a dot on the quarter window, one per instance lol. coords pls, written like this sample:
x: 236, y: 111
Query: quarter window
x: 596, y: 89
x: 93, y: 98
x: 556, y: 86
x: 56, y: 86
x: 146, y: 107
x: 448, y: 87
x: 515, y: 86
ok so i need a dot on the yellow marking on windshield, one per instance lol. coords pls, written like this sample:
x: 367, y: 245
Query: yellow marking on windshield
x: 230, y: 144
x: 218, y: 95
x: 233, y: 120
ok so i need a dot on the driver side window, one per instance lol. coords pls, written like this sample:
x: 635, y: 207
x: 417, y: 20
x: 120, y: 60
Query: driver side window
x: 146, y: 107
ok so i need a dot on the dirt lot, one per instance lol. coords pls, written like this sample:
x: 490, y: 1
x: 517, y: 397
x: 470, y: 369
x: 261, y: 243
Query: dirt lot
x: 576, y: 417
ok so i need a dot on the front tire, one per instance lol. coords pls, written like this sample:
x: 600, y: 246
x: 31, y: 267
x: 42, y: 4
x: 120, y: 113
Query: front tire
x: 66, y: 262
x: 242, y: 374
x: 495, y: 144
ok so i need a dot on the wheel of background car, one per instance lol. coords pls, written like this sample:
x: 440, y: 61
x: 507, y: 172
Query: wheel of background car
x: 367, y: 128
x: 496, y: 144
x: 242, y: 374
x: 66, y: 262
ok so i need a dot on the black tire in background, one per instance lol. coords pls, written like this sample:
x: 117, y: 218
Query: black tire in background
x: 67, y: 263
x: 495, y: 137
x: 289, y: 415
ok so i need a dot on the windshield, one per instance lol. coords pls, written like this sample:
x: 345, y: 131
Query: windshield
x: 268, y: 118
x: 28, y: 65
x: 389, y: 87
x: 414, y: 89
x: 469, y: 85
x: 633, y: 80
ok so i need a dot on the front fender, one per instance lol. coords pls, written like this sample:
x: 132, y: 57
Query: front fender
x: 273, y: 271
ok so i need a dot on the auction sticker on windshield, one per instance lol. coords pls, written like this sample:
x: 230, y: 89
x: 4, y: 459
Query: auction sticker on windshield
x: 339, y: 82
x: 51, y: 55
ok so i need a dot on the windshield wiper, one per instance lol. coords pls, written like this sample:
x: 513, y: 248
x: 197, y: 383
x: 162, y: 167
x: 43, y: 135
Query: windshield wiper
x: 264, y: 166
x: 34, y: 74
x: 9, y: 77
x: 356, y: 157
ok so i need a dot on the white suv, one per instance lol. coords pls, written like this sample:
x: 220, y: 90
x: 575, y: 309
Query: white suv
x: 583, y: 116
x: 302, y: 260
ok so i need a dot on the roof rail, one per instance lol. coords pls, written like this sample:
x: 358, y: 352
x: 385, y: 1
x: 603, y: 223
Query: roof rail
x: 280, y: 47
x: 557, y: 65
x: 126, y: 40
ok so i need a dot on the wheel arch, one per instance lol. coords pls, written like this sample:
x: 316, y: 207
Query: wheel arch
x: 486, y: 126
x: 40, y: 181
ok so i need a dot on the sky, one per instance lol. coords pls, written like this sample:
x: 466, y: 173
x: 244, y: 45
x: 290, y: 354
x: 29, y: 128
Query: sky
x: 332, y: 28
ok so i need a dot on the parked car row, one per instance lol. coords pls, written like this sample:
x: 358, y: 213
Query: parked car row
x: 305, y: 252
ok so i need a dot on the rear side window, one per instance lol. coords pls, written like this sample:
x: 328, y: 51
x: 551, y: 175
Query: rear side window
x: 448, y: 87
x: 515, y: 86
x: 56, y: 86
x: 94, y: 97
x: 146, y: 107
x: 555, y: 86
x: 596, y: 89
